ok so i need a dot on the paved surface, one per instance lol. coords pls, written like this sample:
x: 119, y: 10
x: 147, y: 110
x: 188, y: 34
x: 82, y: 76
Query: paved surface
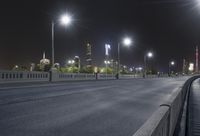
x: 90, y: 108
x: 194, y: 109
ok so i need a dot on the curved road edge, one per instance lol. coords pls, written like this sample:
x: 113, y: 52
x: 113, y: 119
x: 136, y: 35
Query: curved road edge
x: 167, y: 119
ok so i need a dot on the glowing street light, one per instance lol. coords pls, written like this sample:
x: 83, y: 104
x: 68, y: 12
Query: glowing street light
x: 126, y: 42
x: 150, y: 55
x: 171, y: 63
x: 147, y: 55
x: 66, y: 20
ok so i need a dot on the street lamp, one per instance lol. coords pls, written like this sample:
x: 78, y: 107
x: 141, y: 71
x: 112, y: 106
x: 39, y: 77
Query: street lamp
x: 147, y: 55
x: 126, y: 42
x: 171, y: 63
x: 66, y: 20
x: 150, y: 55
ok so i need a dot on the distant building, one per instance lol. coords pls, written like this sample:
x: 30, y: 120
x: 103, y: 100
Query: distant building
x: 44, y: 61
x: 185, y: 67
x: 57, y: 65
x: 77, y: 61
x: 32, y: 67
x: 89, y: 55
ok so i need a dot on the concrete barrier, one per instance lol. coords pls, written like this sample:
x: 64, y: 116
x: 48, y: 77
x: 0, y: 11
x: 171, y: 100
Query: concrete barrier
x: 57, y: 76
x: 27, y: 76
x: 23, y: 76
x: 164, y: 121
x: 130, y: 76
x: 106, y: 76
x: 157, y: 125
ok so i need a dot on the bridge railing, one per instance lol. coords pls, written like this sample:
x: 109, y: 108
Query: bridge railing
x: 23, y: 76
x: 58, y: 76
x: 164, y: 121
x: 33, y: 76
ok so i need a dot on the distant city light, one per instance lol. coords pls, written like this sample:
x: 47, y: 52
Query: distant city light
x: 131, y: 69
x: 191, y: 67
x: 76, y: 57
x: 71, y: 61
x: 139, y: 69
x: 107, y: 62
x: 66, y: 19
x: 16, y: 66
x: 95, y: 69
x: 125, y: 66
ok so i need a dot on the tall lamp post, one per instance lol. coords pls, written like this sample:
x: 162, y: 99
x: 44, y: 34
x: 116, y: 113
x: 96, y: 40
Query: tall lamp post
x: 146, y: 55
x: 64, y: 20
x: 171, y: 63
x: 126, y: 42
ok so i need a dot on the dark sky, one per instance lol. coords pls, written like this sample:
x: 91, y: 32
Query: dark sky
x: 171, y: 28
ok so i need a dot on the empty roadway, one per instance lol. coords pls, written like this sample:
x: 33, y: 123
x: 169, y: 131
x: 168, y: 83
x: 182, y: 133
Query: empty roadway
x: 87, y: 108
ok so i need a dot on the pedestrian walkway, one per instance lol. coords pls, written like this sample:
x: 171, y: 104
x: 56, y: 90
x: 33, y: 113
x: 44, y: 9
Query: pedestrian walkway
x: 194, y: 109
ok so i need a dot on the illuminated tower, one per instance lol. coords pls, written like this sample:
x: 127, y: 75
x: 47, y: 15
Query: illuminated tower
x: 197, y: 60
x: 89, y: 55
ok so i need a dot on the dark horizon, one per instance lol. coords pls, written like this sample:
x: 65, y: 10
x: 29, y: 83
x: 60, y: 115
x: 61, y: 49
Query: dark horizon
x: 169, y: 27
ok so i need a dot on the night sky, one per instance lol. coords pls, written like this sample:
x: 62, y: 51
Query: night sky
x: 171, y: 28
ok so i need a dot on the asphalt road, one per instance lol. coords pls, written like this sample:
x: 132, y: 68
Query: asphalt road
x: 90, y: 108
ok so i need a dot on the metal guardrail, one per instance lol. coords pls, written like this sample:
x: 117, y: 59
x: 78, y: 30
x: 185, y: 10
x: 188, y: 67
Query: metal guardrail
x: 164, y: 121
